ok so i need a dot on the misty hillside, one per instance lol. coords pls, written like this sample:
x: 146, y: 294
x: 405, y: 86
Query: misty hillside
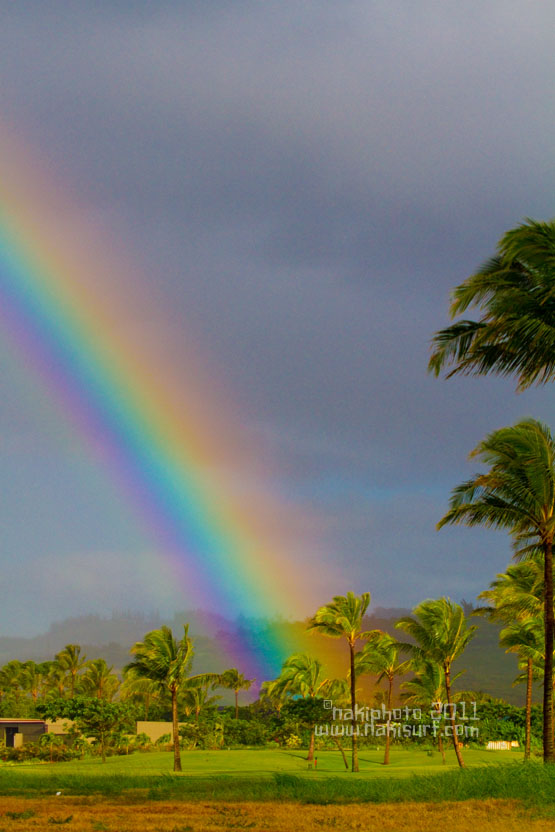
x: 487, y: 667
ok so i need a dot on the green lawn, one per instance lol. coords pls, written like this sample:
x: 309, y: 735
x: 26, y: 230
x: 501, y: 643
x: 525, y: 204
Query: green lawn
x: 261, y: 763
x: 276, y: 774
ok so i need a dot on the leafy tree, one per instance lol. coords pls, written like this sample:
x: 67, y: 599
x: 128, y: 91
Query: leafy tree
x: 235, y: 681
x: 342, y: 618
x: 515, y: 293
x: 243, y: 731
x: 441, y: 634
x: 94, y: 717
x: 380, y: 655
x: 518, y: 493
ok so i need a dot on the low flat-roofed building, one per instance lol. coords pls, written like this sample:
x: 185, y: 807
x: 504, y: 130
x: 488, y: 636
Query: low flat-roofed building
x: 17, y: 732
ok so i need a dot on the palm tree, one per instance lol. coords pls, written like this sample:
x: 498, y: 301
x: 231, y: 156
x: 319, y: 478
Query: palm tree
x: 342, y: 618
x: 194, y: 694
x: 441, y: 634
x: 71, y: 661
x: 32, y: 679
x: 516, y: 593
x: 272, y: 694
x: 12, y: 680
x: 98, y: 680
x: 138, y: 688
x: 427, y: 687
x: 235, y: 681
x: 516, y: 597
x: 518, y: 493
x: 301, y: 675
x: 526, y: 639
x: 56, y: 680
x: 166, y: 661
x: 515, y: 291
x: 380, y: 655
x: 163, y: 659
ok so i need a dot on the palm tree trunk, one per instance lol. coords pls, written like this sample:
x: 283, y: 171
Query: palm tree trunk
x: 340, y: 747
x: 387, y: 736
x: 311, y: 748
x: 175, y: 724
x: 528, y: 723
x: 548, y: 748
x: 440, y: 747
x: 354, y: 761
x: 236, y: 704
x: 460, y: 760
x: 552, y: 715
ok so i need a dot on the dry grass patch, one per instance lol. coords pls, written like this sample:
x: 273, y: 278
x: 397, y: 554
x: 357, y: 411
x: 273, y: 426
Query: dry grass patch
x: 87, y: 815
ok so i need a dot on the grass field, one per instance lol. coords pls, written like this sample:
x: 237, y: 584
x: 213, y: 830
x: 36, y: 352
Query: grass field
x: 274, y: 790
x: 264, y: 762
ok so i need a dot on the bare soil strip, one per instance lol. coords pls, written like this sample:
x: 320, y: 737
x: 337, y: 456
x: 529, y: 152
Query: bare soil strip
x: 80, y: 814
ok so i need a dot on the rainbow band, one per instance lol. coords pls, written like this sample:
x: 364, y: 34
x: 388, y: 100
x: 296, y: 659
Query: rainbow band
x: 161, y: 457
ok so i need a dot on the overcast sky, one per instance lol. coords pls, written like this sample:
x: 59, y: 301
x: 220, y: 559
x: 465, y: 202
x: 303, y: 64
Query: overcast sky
x: 303, y: 182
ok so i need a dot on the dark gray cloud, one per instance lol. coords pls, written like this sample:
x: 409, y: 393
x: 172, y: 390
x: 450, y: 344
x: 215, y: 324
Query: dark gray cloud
x: 303, y: 183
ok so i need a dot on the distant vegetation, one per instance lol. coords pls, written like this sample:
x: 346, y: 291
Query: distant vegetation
x: 289, y: 711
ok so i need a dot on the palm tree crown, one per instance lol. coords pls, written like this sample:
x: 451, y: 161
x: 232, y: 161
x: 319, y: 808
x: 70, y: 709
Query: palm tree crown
x: 342, y: 618
x: 301, y: 675
x: 160, y: 657
x: 71, y: 661
x: 515, y: 291
x: 440, y: 631
x: 518, y: 491
x: 235, y: 681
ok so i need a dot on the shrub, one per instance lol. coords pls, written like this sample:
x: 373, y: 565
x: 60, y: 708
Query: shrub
x: 243, y: 732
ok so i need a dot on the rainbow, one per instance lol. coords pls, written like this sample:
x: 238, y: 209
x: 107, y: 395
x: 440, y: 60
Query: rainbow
x: 65, y: 303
